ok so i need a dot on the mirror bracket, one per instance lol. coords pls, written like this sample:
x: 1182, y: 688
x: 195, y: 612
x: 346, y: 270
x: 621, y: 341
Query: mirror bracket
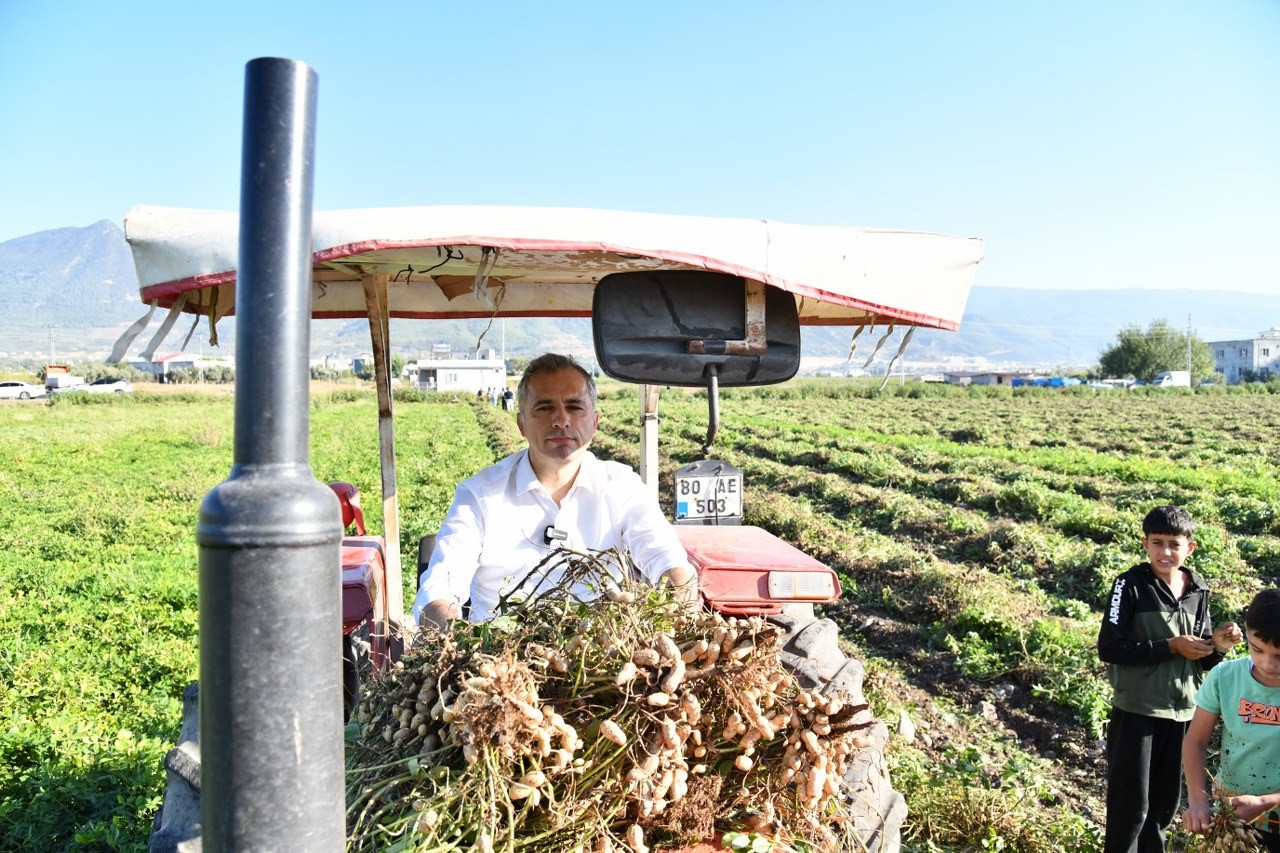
x: 713, y: 408
x: 755, y: 342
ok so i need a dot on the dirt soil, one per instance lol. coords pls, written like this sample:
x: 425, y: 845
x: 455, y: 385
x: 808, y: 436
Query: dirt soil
x: 949, y: 708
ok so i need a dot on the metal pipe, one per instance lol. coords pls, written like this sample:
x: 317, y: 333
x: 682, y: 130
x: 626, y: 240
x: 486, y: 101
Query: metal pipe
x: 713, y: 406
x: 269, y: 536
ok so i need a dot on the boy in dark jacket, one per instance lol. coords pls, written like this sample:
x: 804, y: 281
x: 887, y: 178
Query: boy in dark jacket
x: 1156, y: 637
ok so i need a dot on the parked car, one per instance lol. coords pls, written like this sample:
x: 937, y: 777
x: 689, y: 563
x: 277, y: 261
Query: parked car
x: 108, y: 386
x: 13, y: 390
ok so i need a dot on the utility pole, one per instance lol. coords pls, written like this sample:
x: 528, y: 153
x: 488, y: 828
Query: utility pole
x: 1189, y: 345
x: 53, y: 358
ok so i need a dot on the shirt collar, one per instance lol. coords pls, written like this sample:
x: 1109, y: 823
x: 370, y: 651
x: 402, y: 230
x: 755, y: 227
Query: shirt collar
x: 527, y: 481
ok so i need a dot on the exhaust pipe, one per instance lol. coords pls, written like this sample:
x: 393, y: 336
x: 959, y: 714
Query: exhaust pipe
x: 269, y: 536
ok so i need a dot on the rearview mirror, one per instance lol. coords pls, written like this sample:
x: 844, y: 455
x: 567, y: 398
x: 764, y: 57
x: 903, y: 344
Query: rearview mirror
x: 691, y: 328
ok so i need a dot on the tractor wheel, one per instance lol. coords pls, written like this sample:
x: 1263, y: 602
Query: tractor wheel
x: 176, y: 828
x: 811, y: 650
x: 177, y: 825
x: 355, y: 667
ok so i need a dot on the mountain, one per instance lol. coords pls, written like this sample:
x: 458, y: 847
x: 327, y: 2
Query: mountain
x: 1021, y: 327
x: 82, y: 281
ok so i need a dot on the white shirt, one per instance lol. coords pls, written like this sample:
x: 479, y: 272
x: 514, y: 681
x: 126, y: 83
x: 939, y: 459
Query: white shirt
x: 494, y: 533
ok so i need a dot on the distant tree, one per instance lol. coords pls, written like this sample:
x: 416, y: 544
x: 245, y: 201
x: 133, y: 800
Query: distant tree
x: 330, y: 374
x: 365, y: 370
x: 1142, y: 354
x: 221, y: 374
x: 517, y: 363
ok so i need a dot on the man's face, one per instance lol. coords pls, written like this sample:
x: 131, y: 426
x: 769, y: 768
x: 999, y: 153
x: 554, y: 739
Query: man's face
x: 558, y: 418
x: 1168, y: 551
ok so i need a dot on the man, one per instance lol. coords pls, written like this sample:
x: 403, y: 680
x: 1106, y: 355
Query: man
x: 507, y: 518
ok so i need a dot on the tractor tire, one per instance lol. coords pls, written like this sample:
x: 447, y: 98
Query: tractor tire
x: 356, y: 667
x: 177, y: 825
x: 176, y: 828
x: 811, y: 651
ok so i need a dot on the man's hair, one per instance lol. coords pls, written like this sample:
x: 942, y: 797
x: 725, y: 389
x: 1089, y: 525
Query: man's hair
x: 549, y: 363
x: 1169, y: 520
x: 1263, y: 616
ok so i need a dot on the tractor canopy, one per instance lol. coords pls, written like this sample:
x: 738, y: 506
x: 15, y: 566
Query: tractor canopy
x: 468, y: 262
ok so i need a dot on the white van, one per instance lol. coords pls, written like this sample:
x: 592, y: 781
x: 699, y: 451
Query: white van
x: 1173, y: 379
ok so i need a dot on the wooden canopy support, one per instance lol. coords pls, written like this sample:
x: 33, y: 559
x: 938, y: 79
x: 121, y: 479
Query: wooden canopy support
x: 375, y: 294
x: 649, y: 436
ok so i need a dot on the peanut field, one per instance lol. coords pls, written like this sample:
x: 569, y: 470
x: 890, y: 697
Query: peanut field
x: 975, y: 532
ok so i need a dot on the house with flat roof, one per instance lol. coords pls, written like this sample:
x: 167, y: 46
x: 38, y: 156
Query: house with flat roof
x: 982, y: 377
x: 1248, y: 360
x: 442, y: 371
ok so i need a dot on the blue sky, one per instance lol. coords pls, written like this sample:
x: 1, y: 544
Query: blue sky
x: 1091, y: 144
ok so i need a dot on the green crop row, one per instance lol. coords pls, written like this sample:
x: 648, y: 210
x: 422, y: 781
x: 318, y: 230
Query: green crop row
x: 1008, y: 545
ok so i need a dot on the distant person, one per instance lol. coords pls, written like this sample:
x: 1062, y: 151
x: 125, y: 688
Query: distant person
x: 1156, y: 637
x: 555, y: 493
x: 509, y: 400
x: 1245, y: 694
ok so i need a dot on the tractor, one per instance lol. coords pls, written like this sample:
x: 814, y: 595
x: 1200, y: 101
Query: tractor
x: 675, y: 301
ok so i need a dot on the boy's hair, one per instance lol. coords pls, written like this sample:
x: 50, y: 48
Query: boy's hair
x: 549, y: 363
x: 1169, y: 520
x: 1263, y: 616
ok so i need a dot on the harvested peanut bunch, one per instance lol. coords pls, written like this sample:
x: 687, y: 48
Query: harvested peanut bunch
x: 1228, y: 833
x: 628, y: 723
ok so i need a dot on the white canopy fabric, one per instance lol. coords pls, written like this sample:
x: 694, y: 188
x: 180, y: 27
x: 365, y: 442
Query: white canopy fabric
x: 462, y: 262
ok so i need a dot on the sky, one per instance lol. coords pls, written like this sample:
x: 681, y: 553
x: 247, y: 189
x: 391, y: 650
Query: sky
x: 1091, y: 144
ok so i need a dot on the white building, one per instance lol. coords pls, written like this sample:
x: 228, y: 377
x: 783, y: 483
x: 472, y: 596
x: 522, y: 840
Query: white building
x: 982, y: 377
x: 443, y: 372
x: 1242, y: 361
x: 160, y: 364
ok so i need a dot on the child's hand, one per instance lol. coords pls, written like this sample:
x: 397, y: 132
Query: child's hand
x: 1250, y: 807
x: 1227, y: 636
x: 1191, y: 648
x: 1198, y: 819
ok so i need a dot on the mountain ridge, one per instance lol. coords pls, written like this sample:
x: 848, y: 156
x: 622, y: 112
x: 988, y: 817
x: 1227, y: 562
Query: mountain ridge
x: 74, y: 291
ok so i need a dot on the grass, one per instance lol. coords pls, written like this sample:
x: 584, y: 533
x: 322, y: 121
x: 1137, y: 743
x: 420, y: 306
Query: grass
x: 98, y: 575
x: 1003, y: 515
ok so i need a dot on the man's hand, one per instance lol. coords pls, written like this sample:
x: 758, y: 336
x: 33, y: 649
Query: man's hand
x: 1227, y: 636
x: 1191, y: 648
x: 684, y: 584
x: 437, y: 615
x: 1198, y: 818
